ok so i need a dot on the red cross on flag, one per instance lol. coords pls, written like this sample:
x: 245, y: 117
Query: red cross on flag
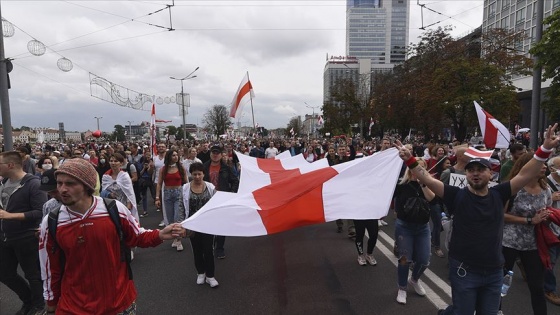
x: 285, y: 199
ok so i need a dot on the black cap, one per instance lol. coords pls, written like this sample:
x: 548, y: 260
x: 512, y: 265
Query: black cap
x: 216, y: 148
x: 48, y: 181
x: 483, y: 162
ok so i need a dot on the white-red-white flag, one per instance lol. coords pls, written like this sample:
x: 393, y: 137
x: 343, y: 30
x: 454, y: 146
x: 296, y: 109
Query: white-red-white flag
x: 287, y: 199
x: 495, y: 134
x: 321, y: 121
x: 245, y: 88
x: 153, y: 136
x: 474, y: 153
x: 371, y: 123
x: 163, y: 121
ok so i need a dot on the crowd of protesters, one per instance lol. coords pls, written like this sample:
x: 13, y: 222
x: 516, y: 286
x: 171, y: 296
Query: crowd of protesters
x: 182, y: 177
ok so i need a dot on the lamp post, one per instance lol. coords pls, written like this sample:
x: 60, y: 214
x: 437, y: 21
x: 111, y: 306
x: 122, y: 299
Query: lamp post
x: 129, y: 129
x: 98, y: 122
x: 313, y: 117
x: 183, y: 110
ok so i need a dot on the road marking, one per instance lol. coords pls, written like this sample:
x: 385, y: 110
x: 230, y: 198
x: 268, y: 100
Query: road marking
x: 432, y: 296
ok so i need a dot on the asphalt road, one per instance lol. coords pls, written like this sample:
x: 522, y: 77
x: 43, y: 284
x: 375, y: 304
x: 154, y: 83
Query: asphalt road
x: 303, y: 271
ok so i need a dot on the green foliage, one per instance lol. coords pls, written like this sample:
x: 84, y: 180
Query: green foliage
x: 216, y: 120
x: 296, y: 124
x: 118, y: 134
x: 548, y: 52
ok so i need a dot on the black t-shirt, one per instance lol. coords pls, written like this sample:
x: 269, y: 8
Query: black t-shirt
x: 402, y: 193
x: 478, y: 223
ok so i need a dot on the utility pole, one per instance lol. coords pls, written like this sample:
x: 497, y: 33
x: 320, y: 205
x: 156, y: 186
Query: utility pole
x: 129, y: 130
x: 98, y: 122
x: 183, y: 105
x: 313, y: 117
x: 5, y: 96
x: 537, y: 74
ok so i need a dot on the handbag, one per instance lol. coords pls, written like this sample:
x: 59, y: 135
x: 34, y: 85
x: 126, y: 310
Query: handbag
x: 416, y: 209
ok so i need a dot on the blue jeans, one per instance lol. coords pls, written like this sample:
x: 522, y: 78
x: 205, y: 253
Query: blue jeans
x: 413, y: 242
x: 171, y: 200
x: 474, y: 289
x: 435, y: 215
x: 549, y: 278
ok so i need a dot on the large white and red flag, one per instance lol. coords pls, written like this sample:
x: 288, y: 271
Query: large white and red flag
x: 359, y: 189
x: 153, y: 136
x: 245, y: 88
x: 495, y: 134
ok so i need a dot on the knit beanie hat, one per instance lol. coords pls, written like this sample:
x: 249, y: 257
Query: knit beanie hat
x: 81, y: 170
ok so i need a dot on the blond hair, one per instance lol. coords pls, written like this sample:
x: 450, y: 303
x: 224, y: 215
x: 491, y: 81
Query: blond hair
x: 407, y: 177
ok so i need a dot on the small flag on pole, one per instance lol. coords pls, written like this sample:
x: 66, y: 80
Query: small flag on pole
x: 371, y: 123
x: 321, y: 121
x: 474, y: 153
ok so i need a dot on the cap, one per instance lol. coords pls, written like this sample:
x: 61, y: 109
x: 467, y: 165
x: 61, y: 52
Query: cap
x: 483, y: 162
x: 56, y: 151
x: 48, y: 181
x: 216, y: 148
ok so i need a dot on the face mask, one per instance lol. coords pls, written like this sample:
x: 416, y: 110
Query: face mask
x: 558, y: 172
x: 47, y: 167
x: 102, y: 161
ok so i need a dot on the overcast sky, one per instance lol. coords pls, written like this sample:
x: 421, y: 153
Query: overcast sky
x: 282, y: 44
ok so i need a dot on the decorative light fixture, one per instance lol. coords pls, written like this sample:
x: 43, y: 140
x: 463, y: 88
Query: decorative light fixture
x: 64, y: 64
x: 36, y: 48
x: 7, y: 28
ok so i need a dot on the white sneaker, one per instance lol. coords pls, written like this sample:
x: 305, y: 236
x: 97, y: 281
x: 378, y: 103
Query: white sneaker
x: 383, y: 222
x: 500, y: 313
x: 174, y: 244
x: 161, y: 224
x: 362, y: 260
x: 131, y: 255
x: 417, y: 287
x: 200, y: 278
x: 179, y: 246
x: 371, y: 260
x: 212, y: 282
x: 401, y: 297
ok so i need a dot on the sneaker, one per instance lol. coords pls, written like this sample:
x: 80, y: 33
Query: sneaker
x: 500, y: 312
x: 161, y: 224
x: 382, y: 222
x: 439, y: 252
x: 362, y: 260
x: 144, y: 214
x: 25, y: 308
x: 417, y: 287
x: 37, y: 310
x: 212, y: 282
x: 179, y: 246
x: 371, y: 260
x: 552, y: 298
x: 174, y: 244
x: 201, y: 278
x: 220, y: 253
x: 401, y: 297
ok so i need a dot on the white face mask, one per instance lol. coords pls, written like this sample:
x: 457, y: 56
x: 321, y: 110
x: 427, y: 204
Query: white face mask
x: 102, y: 161
x: 47, y: 167
x: 558, y: 172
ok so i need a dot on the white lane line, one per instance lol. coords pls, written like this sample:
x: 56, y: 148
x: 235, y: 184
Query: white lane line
x: 432, y: 296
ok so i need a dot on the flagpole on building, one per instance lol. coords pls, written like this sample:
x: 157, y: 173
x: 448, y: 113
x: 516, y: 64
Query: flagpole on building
x: 251, y: 98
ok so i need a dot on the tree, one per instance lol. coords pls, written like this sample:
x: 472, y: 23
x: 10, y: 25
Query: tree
x: 119, y: 134
x: 217, y: 120
x: 295, y: 124
x: 547, y: 50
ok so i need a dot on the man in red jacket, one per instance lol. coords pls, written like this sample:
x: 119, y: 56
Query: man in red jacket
x: 93, y: 278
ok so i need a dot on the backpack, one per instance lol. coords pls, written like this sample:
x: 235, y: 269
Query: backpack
x: 113, y: 211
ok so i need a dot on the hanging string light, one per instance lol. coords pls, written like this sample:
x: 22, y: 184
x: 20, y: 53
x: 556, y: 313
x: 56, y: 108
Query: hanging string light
x: 8, y: 28
x: 64, y: 64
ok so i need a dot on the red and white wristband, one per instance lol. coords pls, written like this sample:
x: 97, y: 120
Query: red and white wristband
x: 542, y: 154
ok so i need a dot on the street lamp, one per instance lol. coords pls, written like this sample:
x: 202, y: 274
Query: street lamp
x: 312, y: 116
x: 129, y: 129
x: 183, y: 110
x: 97, y: 121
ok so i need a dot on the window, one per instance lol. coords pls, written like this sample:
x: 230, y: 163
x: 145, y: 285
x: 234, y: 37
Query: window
x: 520, y: 16
x: 505, y: 4
x: 504, y: 23
x: 492, y: 9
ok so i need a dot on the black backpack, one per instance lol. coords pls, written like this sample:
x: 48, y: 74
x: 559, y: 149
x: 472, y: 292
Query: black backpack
x: 113, y: 211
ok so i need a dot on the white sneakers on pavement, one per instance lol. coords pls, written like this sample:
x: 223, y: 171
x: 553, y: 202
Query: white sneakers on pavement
x: 179, y: 246
x: 371, y: 260
x: 362, y: 260
x: 174, y: 244
x: 417, y: 287
x: 212, y: 282
x: 401, y: 297
x: 201, y: 278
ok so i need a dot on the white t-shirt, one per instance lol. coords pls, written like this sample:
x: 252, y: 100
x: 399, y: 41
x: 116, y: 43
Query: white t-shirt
x: 158, y: 164
x: 270, y: 153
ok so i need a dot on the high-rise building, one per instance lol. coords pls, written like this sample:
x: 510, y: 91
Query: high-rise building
x: 377, y: 30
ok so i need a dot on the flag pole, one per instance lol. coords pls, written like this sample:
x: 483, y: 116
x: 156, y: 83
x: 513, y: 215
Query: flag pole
x: 251, y: 98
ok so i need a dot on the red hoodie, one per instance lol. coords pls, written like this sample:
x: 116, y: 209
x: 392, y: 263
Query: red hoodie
x: 546, y: 238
